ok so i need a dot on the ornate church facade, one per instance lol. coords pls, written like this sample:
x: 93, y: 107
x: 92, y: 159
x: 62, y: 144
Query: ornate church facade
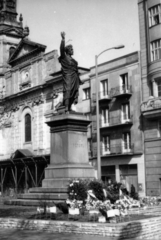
x: 30, y: 86
x: 27, y: 91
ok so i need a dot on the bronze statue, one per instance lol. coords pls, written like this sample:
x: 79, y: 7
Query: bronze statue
x: 71, y: 80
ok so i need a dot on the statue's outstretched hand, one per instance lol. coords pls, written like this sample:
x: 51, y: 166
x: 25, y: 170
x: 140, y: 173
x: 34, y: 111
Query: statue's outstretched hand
x: 63, y: 35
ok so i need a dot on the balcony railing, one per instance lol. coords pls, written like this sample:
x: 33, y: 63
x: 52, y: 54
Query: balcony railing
x: 114, y: 121
x: 114, y: 149
x: 121, y: 91
x: 104, y: 95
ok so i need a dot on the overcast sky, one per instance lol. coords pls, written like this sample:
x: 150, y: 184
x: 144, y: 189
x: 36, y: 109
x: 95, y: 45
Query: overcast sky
x: 92, y: 25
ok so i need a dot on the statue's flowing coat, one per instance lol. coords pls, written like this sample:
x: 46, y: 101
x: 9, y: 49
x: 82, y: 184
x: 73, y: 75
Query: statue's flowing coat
x: 70, y: 75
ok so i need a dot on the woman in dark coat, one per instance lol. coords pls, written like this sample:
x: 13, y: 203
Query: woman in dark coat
x: 70, y: 74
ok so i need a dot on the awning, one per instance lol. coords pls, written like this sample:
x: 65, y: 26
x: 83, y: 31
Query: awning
x: 25, y: 157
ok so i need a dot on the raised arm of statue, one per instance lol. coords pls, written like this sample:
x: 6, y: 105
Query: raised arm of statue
x: 62, y: 45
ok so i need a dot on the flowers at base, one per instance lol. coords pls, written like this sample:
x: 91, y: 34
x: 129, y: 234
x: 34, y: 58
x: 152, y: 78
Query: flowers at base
x: 93, y: 203
x: 77, y: 190
x: 149, y: 201
x: 97, y: 189
x: 125, y: 202
x: 40, y: 209
x: 74, y: 203
x: 93, y: 195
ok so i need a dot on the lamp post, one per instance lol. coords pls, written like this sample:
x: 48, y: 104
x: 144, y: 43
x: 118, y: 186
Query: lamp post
x: 97, y: 110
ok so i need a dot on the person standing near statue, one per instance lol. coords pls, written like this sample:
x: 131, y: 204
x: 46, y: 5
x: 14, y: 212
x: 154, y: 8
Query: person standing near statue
x: 71, y: 80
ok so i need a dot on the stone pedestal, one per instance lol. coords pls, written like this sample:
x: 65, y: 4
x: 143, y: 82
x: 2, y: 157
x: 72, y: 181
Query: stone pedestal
x: 69, y: 151
x: 68, y: 159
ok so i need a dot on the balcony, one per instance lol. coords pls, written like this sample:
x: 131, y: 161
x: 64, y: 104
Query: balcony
x: 116, y: 121
x: 104, y: 96
x: 121, y: 91
x: 117, y: 149
x: 151, y: 108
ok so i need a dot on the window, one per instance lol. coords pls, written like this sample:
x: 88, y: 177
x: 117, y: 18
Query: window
x: 156, y: 87
x: 126, y: 142
x: 159, y: 128
x: 27, y: 127
x: 156, y: 50
x: 125, y: 112
x: 105, y: 116
x: 128, y: 169
x: 155, y: 15
x: 104, y: 88
x: 86, y: 93
x: 108, y: 174
x: 106, y: 145
x: 124, y: 82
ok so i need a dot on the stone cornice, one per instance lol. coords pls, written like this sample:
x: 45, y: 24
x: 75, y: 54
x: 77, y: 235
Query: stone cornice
x: 108, y: 69
x: 29, y: 90
x: 14, y: 105
x: 25, y: 67
x: 26, y: 64
x: 17, y: 34
x: 68, y: 127
x: 112, y: 69
x: 28, y: 42
x: 14, y: 35
x: 25, y: 57
x: 67, y: 122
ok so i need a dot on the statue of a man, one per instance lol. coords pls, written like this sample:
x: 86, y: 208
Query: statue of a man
x: 71, y: 80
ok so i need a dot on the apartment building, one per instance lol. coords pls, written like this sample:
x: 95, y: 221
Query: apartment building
x: 150, y: 46
x: 122, y: 157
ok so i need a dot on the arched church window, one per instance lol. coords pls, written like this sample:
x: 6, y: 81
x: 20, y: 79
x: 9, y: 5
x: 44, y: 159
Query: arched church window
x: 27, y: 127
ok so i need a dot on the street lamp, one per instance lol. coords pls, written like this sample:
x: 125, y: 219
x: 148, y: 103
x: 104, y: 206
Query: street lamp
x: 97, y: 111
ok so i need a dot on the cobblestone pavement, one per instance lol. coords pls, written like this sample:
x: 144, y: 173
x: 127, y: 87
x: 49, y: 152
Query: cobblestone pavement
x: 8, y: 234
